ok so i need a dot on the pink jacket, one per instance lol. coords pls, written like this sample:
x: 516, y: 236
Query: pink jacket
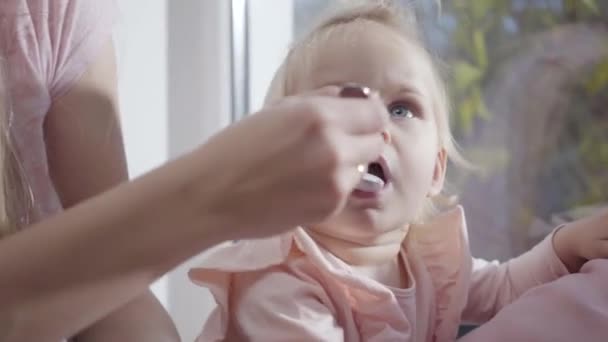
x: 288, y: 288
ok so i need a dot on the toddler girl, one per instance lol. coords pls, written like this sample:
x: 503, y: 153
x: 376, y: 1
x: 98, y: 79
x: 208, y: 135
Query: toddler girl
x: 385, y: 268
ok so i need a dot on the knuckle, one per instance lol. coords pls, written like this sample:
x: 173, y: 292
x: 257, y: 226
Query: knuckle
x: 338, y: 187
x: 333, y: 158
x: 318, y: 116
x: 289, y: 101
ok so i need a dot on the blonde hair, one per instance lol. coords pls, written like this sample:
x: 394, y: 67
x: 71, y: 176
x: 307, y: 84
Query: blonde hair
x: 401, y: 20
x: 15, y: 193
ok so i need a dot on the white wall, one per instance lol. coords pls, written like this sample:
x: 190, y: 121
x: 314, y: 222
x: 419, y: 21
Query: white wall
x: 141, y: 37
x: 270, y: 33
x: 140, y: 40
x: 199, y: 103
x: 174, y: 74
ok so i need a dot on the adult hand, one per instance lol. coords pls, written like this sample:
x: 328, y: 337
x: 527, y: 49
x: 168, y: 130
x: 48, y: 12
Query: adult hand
x: 294, y: 162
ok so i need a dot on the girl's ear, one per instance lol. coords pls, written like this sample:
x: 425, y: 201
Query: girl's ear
x: 439, y: 173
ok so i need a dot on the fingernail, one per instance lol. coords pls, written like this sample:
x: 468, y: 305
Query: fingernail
x: 356, y: 91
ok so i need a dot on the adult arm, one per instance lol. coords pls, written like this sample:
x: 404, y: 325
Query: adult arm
x: 65, y: 273
x: 86, y: 157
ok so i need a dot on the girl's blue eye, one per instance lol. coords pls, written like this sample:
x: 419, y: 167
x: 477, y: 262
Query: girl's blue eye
x: 401, y: 111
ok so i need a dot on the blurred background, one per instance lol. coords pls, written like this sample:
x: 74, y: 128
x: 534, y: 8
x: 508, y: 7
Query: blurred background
x: 528, y: 82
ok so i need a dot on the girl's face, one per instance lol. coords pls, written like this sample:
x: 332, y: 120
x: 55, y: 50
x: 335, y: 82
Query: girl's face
x: 412, y: 164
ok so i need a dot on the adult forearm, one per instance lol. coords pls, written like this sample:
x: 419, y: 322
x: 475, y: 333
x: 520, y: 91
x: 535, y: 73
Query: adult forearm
x: 67, y: 272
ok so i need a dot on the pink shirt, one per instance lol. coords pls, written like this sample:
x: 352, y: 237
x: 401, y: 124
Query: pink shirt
x: 289, y: 289
x: 46, y: 46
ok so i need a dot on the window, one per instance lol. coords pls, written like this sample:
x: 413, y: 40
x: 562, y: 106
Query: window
x: 528, y: 82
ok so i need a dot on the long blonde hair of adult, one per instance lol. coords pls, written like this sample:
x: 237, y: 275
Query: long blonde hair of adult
x: 15, y: 193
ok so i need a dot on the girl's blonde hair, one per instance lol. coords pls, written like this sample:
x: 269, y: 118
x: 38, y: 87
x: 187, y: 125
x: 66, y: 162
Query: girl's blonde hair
x: 15, y: 194
x: 401, y: 20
